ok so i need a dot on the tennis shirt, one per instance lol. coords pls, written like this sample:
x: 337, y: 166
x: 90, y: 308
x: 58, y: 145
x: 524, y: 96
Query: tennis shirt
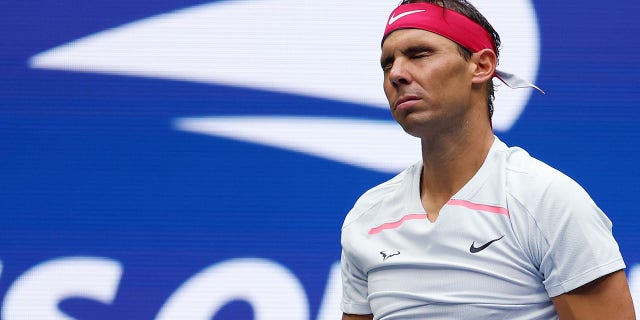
x: 518, y: 233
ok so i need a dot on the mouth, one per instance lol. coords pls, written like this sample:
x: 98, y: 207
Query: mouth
x: 405, y: 102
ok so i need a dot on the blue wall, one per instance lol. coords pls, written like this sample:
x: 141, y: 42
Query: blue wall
x: 109, y: 212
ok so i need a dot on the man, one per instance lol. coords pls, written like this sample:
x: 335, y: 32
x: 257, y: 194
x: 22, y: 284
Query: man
x: 476, y: 230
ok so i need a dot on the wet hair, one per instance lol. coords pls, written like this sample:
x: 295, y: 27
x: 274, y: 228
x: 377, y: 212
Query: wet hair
x: 467, y: 9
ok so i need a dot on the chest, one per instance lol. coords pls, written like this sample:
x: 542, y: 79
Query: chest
x: 454, y: 260
x: 458, y: 236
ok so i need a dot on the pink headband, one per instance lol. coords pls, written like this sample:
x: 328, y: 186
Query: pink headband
x: 453, y: 26
x: 445, y: 22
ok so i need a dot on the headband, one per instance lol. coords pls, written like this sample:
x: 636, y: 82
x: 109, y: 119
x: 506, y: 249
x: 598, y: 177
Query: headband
x: 445, y: 22
x: 453, y: 26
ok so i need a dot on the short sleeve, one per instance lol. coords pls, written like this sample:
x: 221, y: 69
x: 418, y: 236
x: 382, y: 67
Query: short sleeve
x: 575, y: 244
x: 354, y: 288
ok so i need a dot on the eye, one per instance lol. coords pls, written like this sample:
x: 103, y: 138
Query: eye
x: 386, y: 64
x: 421, y: 54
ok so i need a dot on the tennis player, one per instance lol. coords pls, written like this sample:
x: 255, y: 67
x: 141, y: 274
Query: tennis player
x: 476, y: 229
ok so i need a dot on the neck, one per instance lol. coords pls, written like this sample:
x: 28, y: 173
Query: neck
x: 449, y: 162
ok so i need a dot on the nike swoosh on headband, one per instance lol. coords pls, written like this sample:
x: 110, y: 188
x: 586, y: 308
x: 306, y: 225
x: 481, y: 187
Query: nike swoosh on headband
x: 393, y: 19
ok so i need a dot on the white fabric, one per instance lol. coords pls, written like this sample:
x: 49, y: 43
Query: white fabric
x: 515, y: 82
x: 554, y: 239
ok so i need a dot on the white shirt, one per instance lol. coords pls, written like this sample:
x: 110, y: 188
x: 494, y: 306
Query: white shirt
x: 518, y: 233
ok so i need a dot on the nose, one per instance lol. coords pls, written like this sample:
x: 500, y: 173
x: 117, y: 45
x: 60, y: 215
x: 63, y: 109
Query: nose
x: 398, y: 74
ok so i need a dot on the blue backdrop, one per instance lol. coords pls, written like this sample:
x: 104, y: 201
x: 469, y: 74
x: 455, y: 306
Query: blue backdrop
x: 109, y: 212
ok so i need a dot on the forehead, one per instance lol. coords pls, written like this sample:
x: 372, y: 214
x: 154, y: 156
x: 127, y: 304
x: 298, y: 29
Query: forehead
x: 405, y: 38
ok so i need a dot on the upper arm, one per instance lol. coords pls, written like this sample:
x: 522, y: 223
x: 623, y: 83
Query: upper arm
x: 356, y: 316
x: 607, y: 297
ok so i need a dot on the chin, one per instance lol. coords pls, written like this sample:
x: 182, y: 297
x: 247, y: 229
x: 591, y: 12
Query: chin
x: 414, y: 130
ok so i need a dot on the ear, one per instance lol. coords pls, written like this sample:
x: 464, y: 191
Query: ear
x: 485, y: 62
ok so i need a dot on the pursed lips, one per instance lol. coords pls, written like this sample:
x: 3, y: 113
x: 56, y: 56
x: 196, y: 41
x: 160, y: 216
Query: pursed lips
x: 405, y: 101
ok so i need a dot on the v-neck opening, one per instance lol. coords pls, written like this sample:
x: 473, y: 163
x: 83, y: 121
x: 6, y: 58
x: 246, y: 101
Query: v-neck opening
x: 469, y: 189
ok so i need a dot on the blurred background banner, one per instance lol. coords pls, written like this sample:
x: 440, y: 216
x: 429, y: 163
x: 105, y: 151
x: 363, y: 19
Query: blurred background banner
x: 195, y: 159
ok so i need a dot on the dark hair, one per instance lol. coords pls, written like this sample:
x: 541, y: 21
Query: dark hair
x: 467, y: 9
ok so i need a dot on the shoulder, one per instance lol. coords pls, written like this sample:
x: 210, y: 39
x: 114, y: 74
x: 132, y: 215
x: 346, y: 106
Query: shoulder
x: 377, y: 195
x: 528, y: 178
x: 557, y: 223
x: 546, y: 197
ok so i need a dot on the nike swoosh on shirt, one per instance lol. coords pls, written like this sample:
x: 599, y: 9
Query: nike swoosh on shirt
x: 474, y: 249
x: 404, y: 14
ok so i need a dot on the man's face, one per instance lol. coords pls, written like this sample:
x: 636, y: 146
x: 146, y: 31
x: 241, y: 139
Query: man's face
x: 426, y: 80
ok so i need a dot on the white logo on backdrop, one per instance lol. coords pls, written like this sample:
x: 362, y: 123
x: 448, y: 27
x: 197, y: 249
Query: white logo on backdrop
x: 325, y: 49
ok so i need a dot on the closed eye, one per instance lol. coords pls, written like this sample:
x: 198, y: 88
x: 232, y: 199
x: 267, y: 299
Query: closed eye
x: 417, y: 52
x: 386, y: 63
x: 413, y: 52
